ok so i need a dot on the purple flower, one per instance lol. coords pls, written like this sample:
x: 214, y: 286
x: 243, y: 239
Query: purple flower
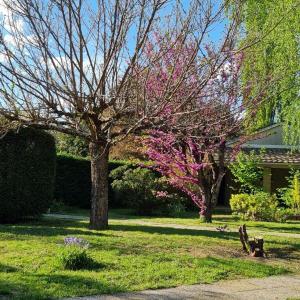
x: 75, y: 241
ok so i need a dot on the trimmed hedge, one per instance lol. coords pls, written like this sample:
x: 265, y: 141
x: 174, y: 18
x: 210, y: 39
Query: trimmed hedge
x: 73, y: 180
x: 27, y: 173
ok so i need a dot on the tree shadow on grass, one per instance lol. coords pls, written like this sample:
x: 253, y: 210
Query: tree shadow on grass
x: 282, y: 242
x: 286, y: 252
x: 48, y: 228
x: 7, y: 269
x: 270, y: 228
x: 53, y: 286
x: 255, y: 267
x: 174, y: 231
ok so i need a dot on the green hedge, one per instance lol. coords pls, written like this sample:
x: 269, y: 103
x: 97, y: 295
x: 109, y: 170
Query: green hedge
x: 73, y: 180
x: 27, y: 173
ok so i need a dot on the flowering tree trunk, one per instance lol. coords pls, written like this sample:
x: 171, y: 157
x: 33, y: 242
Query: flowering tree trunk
x: 210, y: 184
x: 206, y: 212
x: 210, y: 197
x: 99, y: 192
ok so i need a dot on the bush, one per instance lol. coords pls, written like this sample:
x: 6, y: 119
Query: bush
x: 175, y: 209
x: 72, y: 145
x: 259, y: 207
x: 127, y: 184
x: 73, y: 180
x: 27, y: 172
x: 290, y: 195
x: 246, y: 172
x: 138, y: 188
x: 75, y: 258
x: 284, y: 214
x: 74, y: 255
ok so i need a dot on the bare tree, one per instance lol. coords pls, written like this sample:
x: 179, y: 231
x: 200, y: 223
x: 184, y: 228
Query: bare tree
x: 70, y: 66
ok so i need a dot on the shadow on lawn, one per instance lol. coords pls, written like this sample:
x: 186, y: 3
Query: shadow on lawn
x: 174, y: 231
x: 7, y: 269
x: 74, y: 227
x: 40, y: 286
x: 219, y: 215
x: 276, y: 228
x: 49, y: 228
x: 288, y: 252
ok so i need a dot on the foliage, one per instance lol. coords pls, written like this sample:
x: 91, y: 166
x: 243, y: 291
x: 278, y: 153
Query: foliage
x: 189, y: 149
x: 247, y: 174
x: 56, y: 206
x: 283, y: 214
x: 71, y: 67
x: 72, y: 145
x: 275, y: 56
x: 258, y: 207
x: 291, y: 195
x: 74, y: 254
x: 73, y: 180
x: 143, y: 190
x: 127, y: 149
x: 137, y: 186
x: 27, y: 172
x: 175, y: 208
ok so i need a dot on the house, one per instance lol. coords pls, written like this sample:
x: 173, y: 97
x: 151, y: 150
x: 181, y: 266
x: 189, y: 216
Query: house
x: 277, y: 160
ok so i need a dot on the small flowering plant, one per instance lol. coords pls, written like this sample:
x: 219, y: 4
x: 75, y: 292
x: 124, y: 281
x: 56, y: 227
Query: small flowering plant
x: 74, y: 254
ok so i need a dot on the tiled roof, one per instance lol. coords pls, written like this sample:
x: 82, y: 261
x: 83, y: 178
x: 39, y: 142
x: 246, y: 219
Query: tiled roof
x: 280, y: 156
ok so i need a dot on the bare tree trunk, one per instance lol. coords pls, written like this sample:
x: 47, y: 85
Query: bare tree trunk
x: 99, y: 194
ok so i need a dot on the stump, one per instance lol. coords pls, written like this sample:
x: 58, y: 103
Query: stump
x: 255, y: 246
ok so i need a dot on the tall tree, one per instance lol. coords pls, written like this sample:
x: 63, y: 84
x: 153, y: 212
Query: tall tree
x: 206, y: 112
x: 275, y: 28
x: 70, y: 66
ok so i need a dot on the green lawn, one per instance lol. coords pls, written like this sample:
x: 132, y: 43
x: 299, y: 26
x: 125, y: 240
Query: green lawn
x: 135, y: 257
x: 221, y: 217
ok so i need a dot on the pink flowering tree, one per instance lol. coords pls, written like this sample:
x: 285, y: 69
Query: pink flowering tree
x: 205, y: 112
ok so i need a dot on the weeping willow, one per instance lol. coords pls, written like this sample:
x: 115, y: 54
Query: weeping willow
x: 273, y: 29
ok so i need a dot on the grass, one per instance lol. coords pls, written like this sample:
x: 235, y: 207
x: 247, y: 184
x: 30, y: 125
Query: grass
x: 221, y: 217
x: 134, y: 257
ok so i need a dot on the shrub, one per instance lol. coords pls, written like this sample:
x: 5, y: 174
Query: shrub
x: 284, y: 214
x: 136, y: 187
x: 73, y: 180
x: 27, y: 169
x: 259, y: 206
x: 72, y: 145
x: 247, y: 174
x: 75, y: 258
x: 175, y: 209
x: 146, y: 192
x: 74, y: 255
x: 290, y: 196
x: 56, y: 207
